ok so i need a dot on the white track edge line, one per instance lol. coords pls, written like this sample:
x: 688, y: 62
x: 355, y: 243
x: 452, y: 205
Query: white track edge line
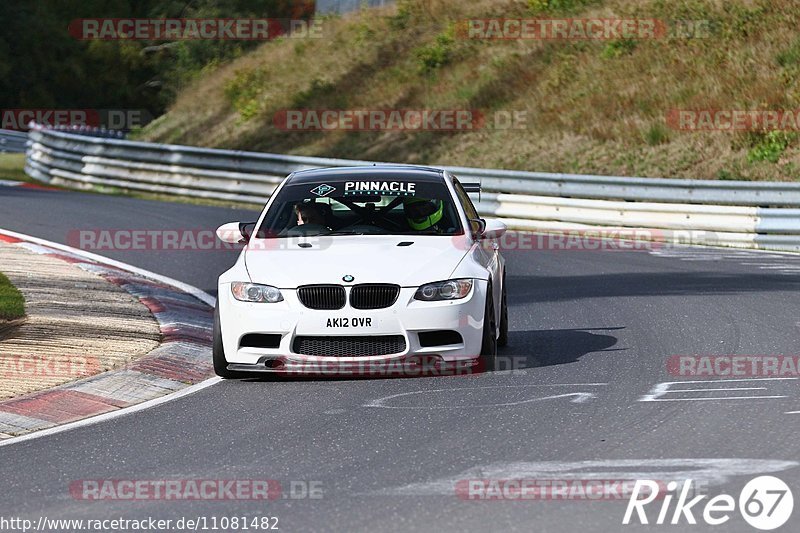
x: 185, y: 287
x: 112, y: 414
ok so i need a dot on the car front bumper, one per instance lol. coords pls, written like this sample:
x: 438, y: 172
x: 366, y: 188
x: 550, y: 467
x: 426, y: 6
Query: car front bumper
x: 407, y: 317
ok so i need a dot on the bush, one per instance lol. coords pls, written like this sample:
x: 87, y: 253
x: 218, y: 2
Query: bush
x: 656, y: 134
x: 789, y: 57
x: 771, y: 147
x: 244, y: 89
x: 618, y: 48
x: 437, y: 54
x: 401, y: 20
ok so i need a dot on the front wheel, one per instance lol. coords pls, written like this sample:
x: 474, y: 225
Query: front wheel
x: 218, y: 352
x: 502, y: 338
x: 488, y: 356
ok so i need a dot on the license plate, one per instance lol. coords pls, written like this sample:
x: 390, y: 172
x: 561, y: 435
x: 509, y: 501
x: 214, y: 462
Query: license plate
x: 349, y: 322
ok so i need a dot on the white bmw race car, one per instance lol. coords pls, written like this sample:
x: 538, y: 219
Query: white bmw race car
x: 355, y: 270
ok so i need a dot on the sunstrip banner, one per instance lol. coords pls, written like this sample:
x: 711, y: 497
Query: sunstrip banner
x: 380, y: 187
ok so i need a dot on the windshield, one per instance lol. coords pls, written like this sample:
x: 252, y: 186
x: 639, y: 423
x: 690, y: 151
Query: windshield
x: 361, y: 206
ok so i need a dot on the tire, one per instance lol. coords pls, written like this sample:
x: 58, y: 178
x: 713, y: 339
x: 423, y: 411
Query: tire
x: 218, y: 352
x: 502, y: 338
x: 488, y: 355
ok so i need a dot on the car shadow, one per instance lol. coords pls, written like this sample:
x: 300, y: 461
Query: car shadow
x: 539, y: 348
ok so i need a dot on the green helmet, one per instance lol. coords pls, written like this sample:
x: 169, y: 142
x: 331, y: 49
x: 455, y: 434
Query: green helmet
x: 423, y: 213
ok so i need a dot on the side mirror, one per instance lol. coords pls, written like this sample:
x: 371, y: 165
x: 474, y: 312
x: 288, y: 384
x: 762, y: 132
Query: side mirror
x: 235, y: 232
x: 494, y: 229
x: 477, y: 226
x: 247, y: 229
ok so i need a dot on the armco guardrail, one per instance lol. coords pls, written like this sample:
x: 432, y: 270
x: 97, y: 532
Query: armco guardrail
x: 732, y: 213
x: 12, y: 141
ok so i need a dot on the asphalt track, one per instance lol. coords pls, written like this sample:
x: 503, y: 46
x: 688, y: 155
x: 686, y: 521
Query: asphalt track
x: 593, y: 331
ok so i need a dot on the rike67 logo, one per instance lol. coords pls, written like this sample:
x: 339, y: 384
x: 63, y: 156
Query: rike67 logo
x: 765, y: 503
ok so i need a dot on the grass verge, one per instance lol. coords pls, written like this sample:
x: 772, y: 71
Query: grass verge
x: 11, y: 167
x: 12, y: 304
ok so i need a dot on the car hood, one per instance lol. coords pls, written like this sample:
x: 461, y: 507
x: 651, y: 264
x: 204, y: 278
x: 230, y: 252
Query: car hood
x: 284, y: 263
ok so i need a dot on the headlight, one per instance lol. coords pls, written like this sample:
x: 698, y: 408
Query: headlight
x: 453, y: 289
x: 252, y: 292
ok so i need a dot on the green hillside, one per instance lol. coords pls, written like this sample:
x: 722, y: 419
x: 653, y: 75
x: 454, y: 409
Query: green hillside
x: 590, y: 106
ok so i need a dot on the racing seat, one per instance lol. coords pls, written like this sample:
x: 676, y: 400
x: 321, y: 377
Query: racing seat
x: 327, y: 214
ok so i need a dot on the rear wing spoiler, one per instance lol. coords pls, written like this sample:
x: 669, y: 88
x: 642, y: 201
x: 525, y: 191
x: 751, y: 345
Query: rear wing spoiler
x: 473, y: 187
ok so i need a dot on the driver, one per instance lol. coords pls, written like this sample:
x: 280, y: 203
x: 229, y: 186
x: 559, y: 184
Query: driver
x: 309, y: 213
x: 423, y: 213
